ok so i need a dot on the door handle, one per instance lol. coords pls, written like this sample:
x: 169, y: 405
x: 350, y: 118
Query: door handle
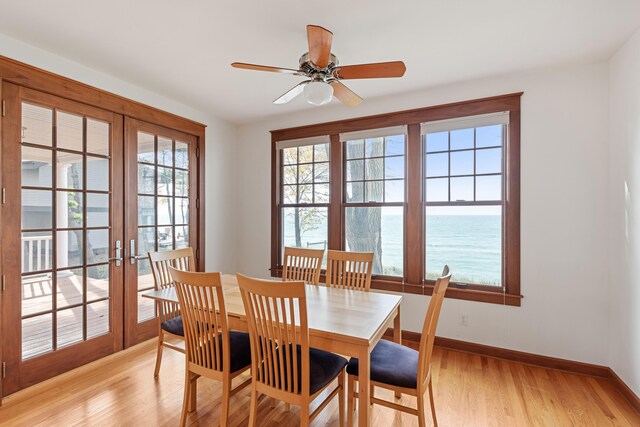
x: 118, y: 257
x: 132, y: 251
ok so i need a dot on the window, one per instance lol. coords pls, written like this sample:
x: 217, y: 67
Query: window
x: 432, y: 186
x: 305, y: 194
x: 374, y: 197
x: 464, y: 166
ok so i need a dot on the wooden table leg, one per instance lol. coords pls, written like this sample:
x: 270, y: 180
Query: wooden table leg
x: 397, y: 338
x: 193, y: 401
x: 363, y: 388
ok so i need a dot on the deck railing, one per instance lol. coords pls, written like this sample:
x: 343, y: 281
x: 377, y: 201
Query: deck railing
x: 36, y: 253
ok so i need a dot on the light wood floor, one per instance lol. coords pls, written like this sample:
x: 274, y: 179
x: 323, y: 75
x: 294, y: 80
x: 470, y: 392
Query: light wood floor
x: 469, y: 391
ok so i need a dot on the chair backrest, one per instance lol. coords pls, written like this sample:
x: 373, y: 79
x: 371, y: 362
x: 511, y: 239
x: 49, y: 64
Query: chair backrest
x: 349, y: 270
x: 204, y: 319
x: 277, y: 318
x: 302, y: 264
x: 181, y: 259
x: 430, y: 324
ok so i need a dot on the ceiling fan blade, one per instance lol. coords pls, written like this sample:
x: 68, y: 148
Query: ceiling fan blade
x: 292, y: 93
x: 264, y: 68
x: 319, y: 45
x: 371, y: 71
x: 344, y: 94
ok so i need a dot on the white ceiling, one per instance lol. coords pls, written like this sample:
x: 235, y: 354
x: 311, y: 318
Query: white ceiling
x: 182, y: 50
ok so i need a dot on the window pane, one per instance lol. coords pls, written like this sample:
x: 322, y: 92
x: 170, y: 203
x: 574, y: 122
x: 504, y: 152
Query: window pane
x: 438, y: 141
x: 321, y: 193
x: 182, y: 210
x: 69, y: 170
x: 321, y: 172
x: 394, y: 167
x: 394, y: 145
x: 305, y: 194
x: 69, y: 248
x: 355, y: 192
x: 36, y: 167
x: 97, y: 137
x: 37, y: 211
x: 321, y: 153
x: 374, y: 169
x: 37, y: 336
x: 37, y: 125
x: 290, y: 155
x: 97, y: 210
x: 182, y: 236
x: 489, y: 161
x: 182, y: 183
x: 146, y: 148
x: 165, y: 238
x: 97, y: 246
x: 97, y: 174
x: 165, y: 181
x: 69, y: 210
x: 290, y: 193
x: 70, y: 324
x: 462, y: 138
x: 462, y: 163
x: 182, y: 155
x: 437, y: 190
x: 374, y: 147
x: 305, y: 154
x: 378, y: 230
x: 374, y: 191
x: 98, y: 282
x: 305, y: 173
x: 146, y: 241
x: 146, y: 179
x: 437, y: 164
x: 69, y: 131
x: 290, y: 174
x: 37, y: 251
x: 146, y: 308
x: 468, y: 239
x: 70, y: 287
x: 355, y: 170
x: 165, y: 210
x: 394, y: 191
x: 462, y: 189
x: 355, y: 149
x: 146, y: 210
x: 98, y: 319
x: 489, y: 136
x: 304, y: 227
x: 37, y: 293
x: 165, y: 151
x: 489, y: 187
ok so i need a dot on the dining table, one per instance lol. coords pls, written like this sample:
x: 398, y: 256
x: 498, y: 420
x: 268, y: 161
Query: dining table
x: 342, y: 321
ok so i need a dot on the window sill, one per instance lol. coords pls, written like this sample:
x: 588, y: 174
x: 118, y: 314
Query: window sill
x: 491, y: 297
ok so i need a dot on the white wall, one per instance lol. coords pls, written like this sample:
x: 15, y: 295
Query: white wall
x: 564, y: 211
x: 220, y: 142
x: 625, y: 213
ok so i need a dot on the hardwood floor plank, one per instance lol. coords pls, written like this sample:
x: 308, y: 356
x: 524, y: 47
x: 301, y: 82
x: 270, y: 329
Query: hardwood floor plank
x: 470, y: 390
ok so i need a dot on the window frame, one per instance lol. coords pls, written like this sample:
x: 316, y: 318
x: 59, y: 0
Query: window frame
x: 415, y: 201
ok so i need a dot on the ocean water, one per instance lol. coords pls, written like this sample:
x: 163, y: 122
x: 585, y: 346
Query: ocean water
x: 470, y: 244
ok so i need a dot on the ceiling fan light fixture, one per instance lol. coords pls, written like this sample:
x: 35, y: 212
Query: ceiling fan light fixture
x: 318, y: 93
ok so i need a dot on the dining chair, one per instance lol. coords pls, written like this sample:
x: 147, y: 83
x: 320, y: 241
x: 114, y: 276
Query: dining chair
x: 283, y: 365
x: 403, y: 369
x: 212, y: 350
x: 170, y: 325
x: 302, y: 264
x: 349, y: 270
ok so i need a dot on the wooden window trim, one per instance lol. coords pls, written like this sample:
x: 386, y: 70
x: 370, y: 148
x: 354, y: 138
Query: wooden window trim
x: 413, y: 281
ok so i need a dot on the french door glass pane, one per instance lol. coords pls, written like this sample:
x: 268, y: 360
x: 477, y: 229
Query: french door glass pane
x: 54, y: 305
x: 163, y: 205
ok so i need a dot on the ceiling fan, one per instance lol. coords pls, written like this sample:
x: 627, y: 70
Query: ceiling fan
x: 321, y: 67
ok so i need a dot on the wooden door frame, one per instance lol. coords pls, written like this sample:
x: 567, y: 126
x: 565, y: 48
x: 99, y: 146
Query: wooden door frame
x: 137, y: 332
x: 28, y: 76
x: 66, y: 358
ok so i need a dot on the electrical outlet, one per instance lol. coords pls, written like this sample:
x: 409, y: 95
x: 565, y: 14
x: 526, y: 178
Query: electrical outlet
x: 464, y: 320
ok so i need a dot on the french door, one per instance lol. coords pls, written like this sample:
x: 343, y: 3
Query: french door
x: 62, y: 182
x: 86, y: 194
x: 161, y: 214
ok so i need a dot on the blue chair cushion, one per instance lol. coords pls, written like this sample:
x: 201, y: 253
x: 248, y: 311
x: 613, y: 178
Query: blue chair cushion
x: 240, y: 347
x: 323, y: 367
x: 392, y: 364
x: 174, y: 326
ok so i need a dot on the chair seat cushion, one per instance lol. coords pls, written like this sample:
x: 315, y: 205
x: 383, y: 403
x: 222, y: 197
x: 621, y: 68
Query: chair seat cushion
x: 323, y: 367
x: 392, y: 364
x: 240, y: 346
x: 174, y: 326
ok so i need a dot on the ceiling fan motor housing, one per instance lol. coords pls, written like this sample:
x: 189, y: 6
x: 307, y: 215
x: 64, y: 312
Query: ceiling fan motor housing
x: 307, y: 67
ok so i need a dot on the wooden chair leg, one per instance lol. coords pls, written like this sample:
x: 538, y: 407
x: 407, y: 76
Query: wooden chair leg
x: 433, y: 406
x: 371, y: 395
x: 186, y: 398
x: 421, y: 420
x: 226, y: 393
x: 341, y: 393
x: 253, y: 411
x: 156, y: 372
x: 351, y: 407
x: 305, y: 413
